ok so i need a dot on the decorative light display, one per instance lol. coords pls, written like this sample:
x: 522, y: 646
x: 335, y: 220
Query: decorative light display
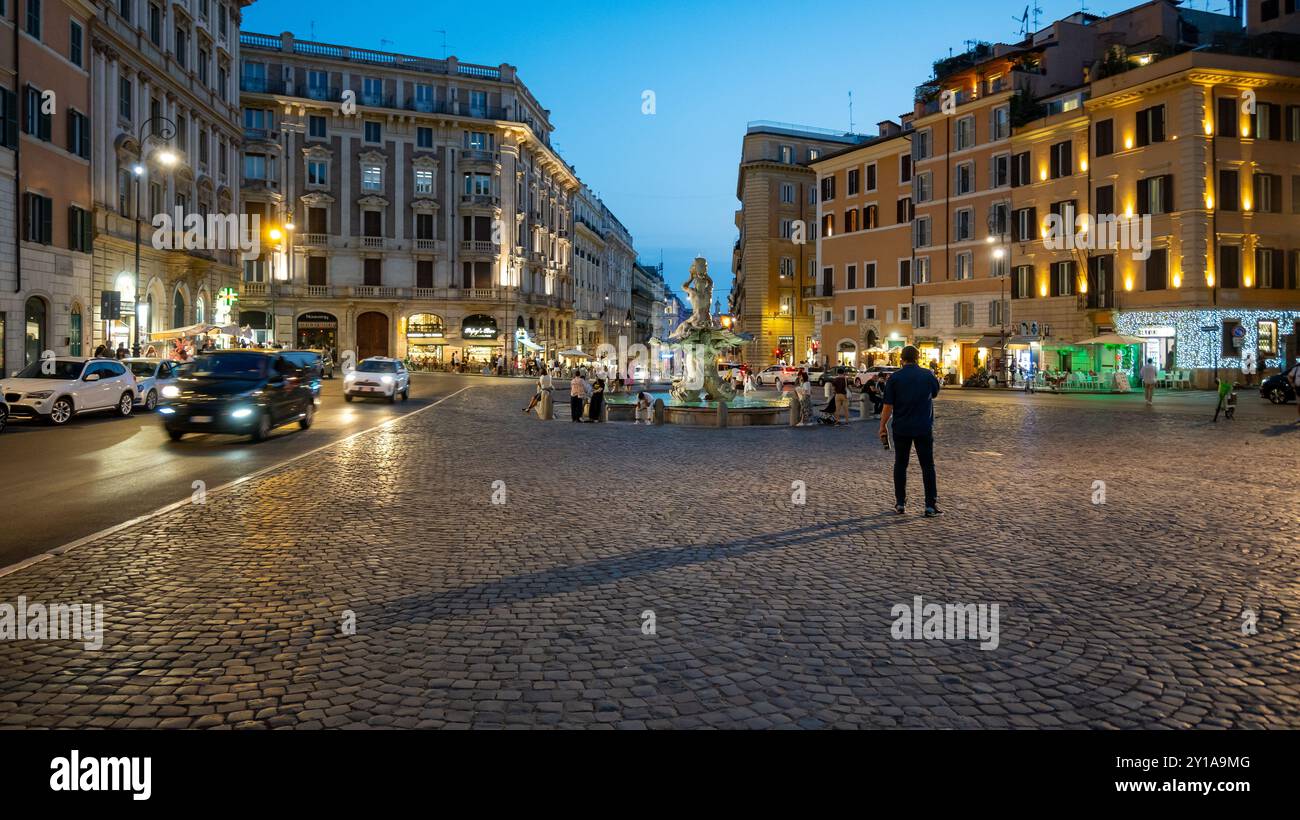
x: 1194, y: 347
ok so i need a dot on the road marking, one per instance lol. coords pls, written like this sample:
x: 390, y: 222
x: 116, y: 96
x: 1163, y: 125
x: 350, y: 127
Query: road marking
x: 104, y: 533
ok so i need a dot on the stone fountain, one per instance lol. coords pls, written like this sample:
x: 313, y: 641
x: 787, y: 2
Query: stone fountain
x: 699, y: 341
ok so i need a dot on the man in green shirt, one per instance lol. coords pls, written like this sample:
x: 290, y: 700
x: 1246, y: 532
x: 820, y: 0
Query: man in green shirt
x: 1225, y: 390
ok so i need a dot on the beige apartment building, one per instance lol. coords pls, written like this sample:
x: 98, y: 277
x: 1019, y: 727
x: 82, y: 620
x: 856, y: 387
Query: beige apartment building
x: 1204, y: 142
x: 862, y: 300
x: 46, y: 298
x: 1127, y: 114
x: 431, y: 217
x: 166, y: 137
x: 775, y: 259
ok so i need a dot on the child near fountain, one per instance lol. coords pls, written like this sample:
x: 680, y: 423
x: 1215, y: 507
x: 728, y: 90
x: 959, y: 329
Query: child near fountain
x: 644, y: 409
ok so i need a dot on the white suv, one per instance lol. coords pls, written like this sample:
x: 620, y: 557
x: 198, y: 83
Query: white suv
x: 378, y: 377
x: 56, y: 389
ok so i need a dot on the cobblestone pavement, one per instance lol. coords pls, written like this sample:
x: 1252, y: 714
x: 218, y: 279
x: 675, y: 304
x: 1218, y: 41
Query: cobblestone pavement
x: 768, y: 614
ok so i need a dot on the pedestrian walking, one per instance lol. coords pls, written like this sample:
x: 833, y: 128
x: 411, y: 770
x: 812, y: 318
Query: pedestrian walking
x: 1149, y: 376
x: 101, y: 352
x: 840, y: 384
x: 1249, y: 367
x: 578, y: 389
x: 907, y: 421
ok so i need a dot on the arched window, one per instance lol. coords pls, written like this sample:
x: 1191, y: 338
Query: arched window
x: 36, y: 317
x: 147, y: 324
x: 178, y: 309
x: 199, y: 310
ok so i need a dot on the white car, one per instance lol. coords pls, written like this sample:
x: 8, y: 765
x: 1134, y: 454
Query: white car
x: 153, y: 378
x: 778, y: 375
x: 378, y: 377
x: 56, y: 389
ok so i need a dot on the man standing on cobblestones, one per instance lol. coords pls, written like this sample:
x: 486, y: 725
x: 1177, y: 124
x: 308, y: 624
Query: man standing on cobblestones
x: 908, y: 419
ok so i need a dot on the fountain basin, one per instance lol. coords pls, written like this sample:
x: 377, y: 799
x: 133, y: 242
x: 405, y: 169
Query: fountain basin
x: 742, y: 411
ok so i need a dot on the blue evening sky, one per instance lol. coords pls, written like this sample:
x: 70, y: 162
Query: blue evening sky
x: 713, y: 66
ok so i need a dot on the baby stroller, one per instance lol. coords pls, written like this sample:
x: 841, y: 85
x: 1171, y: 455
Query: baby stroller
x: 827, y: 414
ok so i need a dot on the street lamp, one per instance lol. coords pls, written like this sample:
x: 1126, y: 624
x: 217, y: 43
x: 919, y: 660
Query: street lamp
x: 275, y: 235
x: 168, y: 158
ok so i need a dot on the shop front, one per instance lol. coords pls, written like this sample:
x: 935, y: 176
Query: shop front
x: 426, y: 341
x: 318, y: 330
x: 847, y: 354
x: 481, y: 341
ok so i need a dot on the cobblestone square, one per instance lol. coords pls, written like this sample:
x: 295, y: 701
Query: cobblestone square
x: 767, y: 613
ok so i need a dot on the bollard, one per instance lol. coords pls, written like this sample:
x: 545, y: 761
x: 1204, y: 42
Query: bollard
x: 795, y: 414
x: 722, y: 413
x: 546, y: 409
x: 659, y: 412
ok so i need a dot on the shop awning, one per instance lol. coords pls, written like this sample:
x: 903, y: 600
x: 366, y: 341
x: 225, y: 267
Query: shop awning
x: 991, y: 341
x: 1022, y: 341
x: 1113, y: 339
x: 576, y: 354
x: 181, y: 332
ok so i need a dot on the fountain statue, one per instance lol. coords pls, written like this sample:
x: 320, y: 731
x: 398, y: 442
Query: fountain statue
x: 700, y: 342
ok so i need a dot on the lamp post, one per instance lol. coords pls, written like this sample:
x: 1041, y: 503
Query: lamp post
x: 275, y: 235
x: 166, y: 131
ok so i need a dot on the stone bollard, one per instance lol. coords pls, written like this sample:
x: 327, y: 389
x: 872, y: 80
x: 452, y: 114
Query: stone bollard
x: 795, y: 414
x: 659, y: 412
x: 546, y: 409
x: 722, y: 413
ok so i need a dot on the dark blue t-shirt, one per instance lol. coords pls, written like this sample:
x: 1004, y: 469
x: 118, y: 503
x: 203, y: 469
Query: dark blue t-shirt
x: 911, y: 392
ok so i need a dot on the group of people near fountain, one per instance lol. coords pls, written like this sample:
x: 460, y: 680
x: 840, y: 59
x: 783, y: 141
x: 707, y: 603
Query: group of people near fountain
x: 587, y: 398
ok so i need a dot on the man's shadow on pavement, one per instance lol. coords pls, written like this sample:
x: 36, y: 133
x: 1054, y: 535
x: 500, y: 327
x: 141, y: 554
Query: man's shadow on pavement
x: 1281, y: 429
x: 560, y: 580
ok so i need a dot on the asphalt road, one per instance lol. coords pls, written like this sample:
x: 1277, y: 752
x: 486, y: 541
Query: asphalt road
x: 61, y: 484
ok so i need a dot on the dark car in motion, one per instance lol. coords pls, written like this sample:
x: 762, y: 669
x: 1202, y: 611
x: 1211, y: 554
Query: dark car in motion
x: 240, y: 392
x: 1277, y: 389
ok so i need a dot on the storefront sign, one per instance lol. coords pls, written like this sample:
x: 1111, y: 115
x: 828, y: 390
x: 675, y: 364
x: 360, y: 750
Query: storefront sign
x: 318, y: 321
x: 425, y: 332
x: 479, y: 326
x: 1157, y: 332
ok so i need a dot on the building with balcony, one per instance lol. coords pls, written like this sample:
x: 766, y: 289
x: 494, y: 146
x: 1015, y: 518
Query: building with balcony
x: 620, y: 257
x: 46, y: 298
x: 775, y: 257
x: 588, y: 269
x: 1159, y: 111
x: 1195, y: 126
x: 647, y: 302
x: 431, y: 217
x: 165, y: 141
x: 861, y: 300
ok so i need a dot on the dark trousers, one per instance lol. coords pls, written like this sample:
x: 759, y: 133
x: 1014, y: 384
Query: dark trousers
x: 597, y: 407
x: 925, y: 455
x: 575, y: 407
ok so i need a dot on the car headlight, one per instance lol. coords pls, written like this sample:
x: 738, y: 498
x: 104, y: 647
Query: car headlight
x: 349, y: 377
x: 243, y: 413
x: 40, y: 394
x: 171, y: 391
x: 387, y: 379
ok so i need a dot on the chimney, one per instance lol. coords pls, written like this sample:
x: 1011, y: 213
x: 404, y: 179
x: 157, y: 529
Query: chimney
x: 889, y: 128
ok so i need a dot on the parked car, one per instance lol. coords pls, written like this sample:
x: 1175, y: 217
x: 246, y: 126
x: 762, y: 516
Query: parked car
x: 59, y: 388
x: 240, y: 392
x: 778, y: 375
x: 312, y: 362
x: 819, y: 376
x: 155, y: 381
x: 4, y: 414
x: 1277, y: 389
x: 378, y: 377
